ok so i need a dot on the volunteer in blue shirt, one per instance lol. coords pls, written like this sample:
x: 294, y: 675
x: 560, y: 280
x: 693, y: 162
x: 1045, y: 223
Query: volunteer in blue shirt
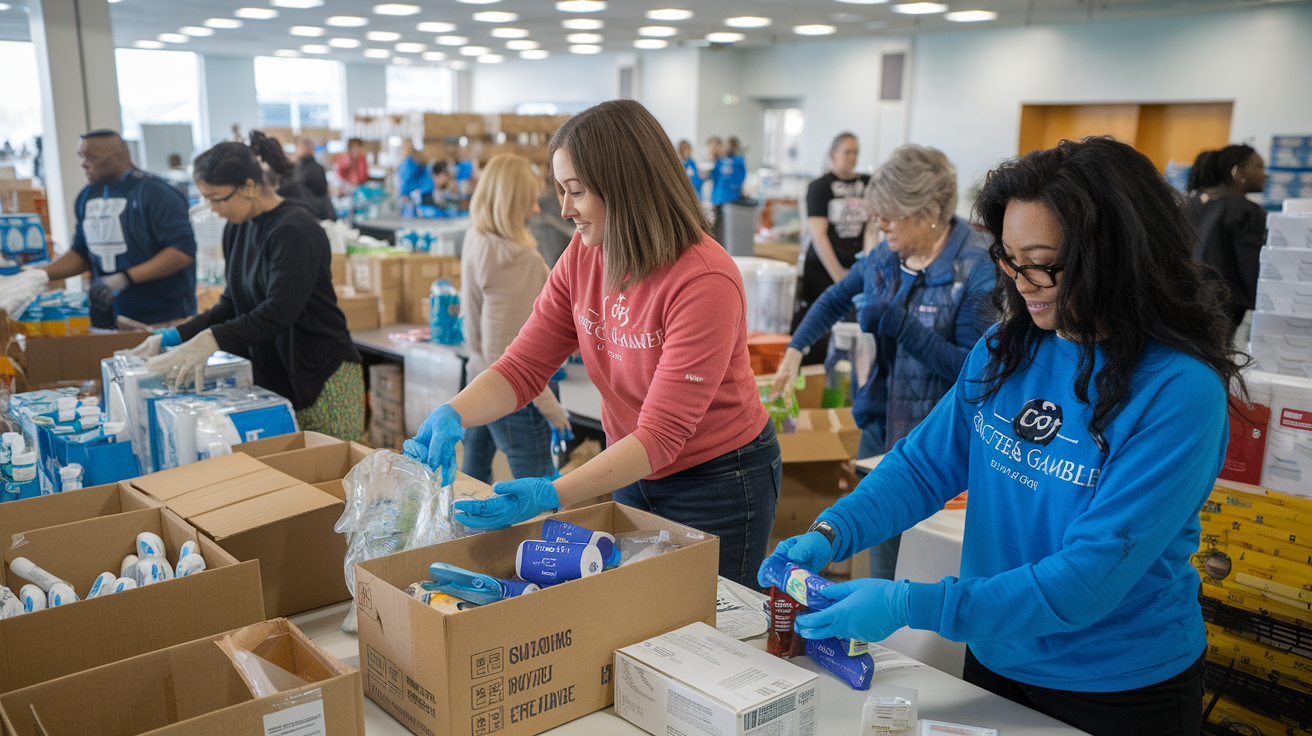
x: 1089, y: 425
x: 413, y: 176
x: 133, y: 233
x: 690, y: 167
x: 727, y: 176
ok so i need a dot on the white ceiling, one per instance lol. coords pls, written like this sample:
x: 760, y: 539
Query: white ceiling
x: 136, y: 20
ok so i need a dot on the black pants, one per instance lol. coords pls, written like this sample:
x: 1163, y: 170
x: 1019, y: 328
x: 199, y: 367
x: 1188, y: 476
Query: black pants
x: 1171, y: 707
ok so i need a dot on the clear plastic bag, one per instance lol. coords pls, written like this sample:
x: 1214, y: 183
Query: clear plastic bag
x: 639, y: 546
x: 393, y: 503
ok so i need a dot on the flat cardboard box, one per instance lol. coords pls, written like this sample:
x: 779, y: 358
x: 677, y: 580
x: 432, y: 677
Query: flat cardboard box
x: 418, y: 274
x: 669, y: 685
x: 17, y: 517
x: 338, y: 268
x: 195, y: 689
x: 387, y: 382
x: 285, y: 443
x: 43, y: 645
x: 361, y: 310
x: 75, y: 358
x: 374, y: 273
x: 521, y: 666
x: 822, y: 434
x: 258, y: 513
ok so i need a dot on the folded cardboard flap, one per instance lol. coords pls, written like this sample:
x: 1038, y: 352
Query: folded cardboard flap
x: 166, y: 484
x: 74, y: 358
x: 210, y: 497
x: 62, y: 508
x: 822, y: 434
x: 262, y: 510
x: 284, y: 443
x: 319, y: 464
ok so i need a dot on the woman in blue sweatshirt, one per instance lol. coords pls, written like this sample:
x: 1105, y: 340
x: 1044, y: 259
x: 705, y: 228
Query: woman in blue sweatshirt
x: 1089, y: 426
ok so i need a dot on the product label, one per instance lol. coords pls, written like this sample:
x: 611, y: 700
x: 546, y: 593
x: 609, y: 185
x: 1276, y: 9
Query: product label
x: 1296, y: 419
x: 305, y: 719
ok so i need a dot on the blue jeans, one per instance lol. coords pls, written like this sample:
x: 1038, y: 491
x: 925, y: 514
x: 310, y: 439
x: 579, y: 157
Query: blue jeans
x: 525, y: 437
x: 883, y: 556
x: 732, y: 496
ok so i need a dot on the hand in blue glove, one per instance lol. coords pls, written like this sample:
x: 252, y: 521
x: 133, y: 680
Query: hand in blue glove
x: 169, y: 337
x: 871, y: 312
x: 868, y: 609
x: 810, y: 551
x: 515, y: 501
x: 435, y: 445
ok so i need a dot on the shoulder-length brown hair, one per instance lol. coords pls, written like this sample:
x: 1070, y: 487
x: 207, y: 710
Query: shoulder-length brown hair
x: 622, y: 155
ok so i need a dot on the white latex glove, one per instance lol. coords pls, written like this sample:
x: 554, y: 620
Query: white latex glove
x: 148, y: 348
x: 551, y: 409
x: 789, y: 367
x: 186, y: 361
x: 115, y: 281
x: 18, y: 291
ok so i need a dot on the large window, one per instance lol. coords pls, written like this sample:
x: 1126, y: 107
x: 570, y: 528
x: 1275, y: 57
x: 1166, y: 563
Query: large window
x: 425, y: 88
x: 300, y: 93
x: 159, y: 87
x: 20, y: 115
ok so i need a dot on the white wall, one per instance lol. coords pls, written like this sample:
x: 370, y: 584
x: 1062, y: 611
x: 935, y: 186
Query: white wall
x: 227, y: 96
x: 571, y: 81
x: 366, y: 87
x: 968, y: 87
x: 720, y: 72
x: 669, y: 90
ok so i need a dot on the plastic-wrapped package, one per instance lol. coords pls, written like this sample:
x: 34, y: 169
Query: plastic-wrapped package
x: 187, y: 428
x: 129, y: 387
x: 639, y: 546
x: 393, y: 503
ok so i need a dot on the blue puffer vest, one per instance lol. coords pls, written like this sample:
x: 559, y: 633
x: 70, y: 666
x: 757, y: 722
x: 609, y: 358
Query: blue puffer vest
x: 947, y: 310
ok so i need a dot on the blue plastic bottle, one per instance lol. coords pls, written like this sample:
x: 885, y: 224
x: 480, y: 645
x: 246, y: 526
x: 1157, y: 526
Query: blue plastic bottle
x: 444, y: 313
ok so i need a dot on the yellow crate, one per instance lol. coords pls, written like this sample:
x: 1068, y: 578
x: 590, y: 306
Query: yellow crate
x: 1279, y: 668
x: 1229, y: 714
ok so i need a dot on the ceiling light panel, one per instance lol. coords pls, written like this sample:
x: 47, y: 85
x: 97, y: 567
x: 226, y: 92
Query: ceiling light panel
x: 347, y: 21
x: 302, y: 4
x: 344, y: 43
x: 148, y: 44
x: 256, y: 13
x: 196, y: 31
x: 315, y: 48
x: 474, y: 50
x: 813, y: 30
x: 496, y: 16
x: 383, y: 36
x: 725, y: 37
x: 491, y: 59
x: 650, y: 43
x: 509, y: 33
x: 585, y: 48
x: 311, y: 31
x: 452, y: 40
x: 431, y: 26
x: 658, y: 31
x: 433, y: 56
x: 533, y: 54
x: 173, y: 38
x: 747, y: 21
x: 582, y: 24
x: 971, y: 16
x: 524, y: 45
x: 287, y: 53
x: 669, y: 14
x: 411, y: 48
x: 396, y: 9
x: 377, y: 53
x: 919, y: 8
x: 581, y: 6
x: 223, y: 23
x: 584, y: 38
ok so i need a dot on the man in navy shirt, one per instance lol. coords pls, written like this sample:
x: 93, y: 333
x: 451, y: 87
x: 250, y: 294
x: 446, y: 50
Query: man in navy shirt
x: 133, y: 234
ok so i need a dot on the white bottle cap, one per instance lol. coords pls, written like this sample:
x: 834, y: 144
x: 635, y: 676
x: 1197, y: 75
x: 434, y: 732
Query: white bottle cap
x: 24, y: 457
x: 11, y: 438
x: 72, y: 471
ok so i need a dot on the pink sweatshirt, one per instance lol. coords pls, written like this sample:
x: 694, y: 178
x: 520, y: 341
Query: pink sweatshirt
x: 669, y: 355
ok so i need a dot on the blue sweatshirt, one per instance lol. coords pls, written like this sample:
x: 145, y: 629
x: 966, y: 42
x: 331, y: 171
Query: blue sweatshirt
x: 690, y: 168
x: 413, y: 176
x: 1075, y: 569
x: 727, y: 179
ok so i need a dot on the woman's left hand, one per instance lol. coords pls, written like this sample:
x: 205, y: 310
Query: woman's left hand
x: 869, y: 609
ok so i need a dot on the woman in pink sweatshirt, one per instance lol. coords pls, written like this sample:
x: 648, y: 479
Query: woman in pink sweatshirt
x: 656, y: 307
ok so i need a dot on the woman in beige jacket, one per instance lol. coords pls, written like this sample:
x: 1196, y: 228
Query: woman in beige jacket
x: 501, y: 274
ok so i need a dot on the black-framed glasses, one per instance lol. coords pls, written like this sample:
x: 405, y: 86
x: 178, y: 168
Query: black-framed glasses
x: 221, y: 200
x: 1043, y: 277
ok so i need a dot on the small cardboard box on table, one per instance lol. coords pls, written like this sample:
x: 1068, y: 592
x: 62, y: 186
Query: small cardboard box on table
x: 17, y: 517
x: 258, y: 513
x: 813, y: 458
x: 42, y: 645
x: 520, y: 666
x: 195, y: 689
x: 52, y: 361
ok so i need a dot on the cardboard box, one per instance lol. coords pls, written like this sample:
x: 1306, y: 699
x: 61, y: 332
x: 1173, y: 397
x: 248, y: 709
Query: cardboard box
x: 195, y: 689
x: 452, y: 125
x: 319, y: 464
x: 822, y: 435
x: 387, y: 382
x: 372, y: 274
x: 418, y: 275
x: 17, y: 517
x: 43, y: 645
x: 521, y: 666
x: 339, y: 269
x: 669, y: 685
x: 258, y: 513
x: 814, y: 476
x: 389, y: 306
x: 812, y: 394
x: 285, y: 443
x: 386, y: 416
x: 361, y: 310
x: 75, y: 358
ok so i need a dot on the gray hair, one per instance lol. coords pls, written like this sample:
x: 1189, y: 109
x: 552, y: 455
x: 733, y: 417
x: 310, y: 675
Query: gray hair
x: 915, y: 181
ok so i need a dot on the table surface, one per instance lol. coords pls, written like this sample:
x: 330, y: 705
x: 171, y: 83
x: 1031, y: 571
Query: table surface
x: 416, y: 223
x: 940, y: 696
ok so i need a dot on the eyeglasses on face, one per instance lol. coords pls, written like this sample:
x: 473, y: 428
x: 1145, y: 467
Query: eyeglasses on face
x: 1044, y: 277
x: 221, y: 200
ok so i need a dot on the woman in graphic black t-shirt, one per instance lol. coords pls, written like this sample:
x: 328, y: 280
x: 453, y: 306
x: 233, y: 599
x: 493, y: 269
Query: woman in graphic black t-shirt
x: 836, y: 216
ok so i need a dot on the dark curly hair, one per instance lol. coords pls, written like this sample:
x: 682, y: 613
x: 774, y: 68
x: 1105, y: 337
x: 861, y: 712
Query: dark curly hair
x: 231, y: 163
x: 1213, y: 168
x: 1128, y: 276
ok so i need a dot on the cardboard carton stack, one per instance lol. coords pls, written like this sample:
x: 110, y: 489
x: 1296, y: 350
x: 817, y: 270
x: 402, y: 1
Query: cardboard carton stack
x: 1281, y: 340
x: 1255, y: 560
x: 418, y: 272
x: 386, y: 406
x: 381, y: 276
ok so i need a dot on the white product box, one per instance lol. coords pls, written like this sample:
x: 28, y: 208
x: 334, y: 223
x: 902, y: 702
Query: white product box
x: 1271, y: 323
x: 1284, y: 230
x: 1284, y: 297
x: 1287, y: 466
x: 1287, y: 355
x: 695, y: 680
x: 1286, y: 264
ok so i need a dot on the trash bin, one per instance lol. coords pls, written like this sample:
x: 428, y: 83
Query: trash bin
x: 740, y: 228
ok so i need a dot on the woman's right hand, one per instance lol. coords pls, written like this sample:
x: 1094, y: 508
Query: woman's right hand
x: 435, y: 445
x: 789, y: 367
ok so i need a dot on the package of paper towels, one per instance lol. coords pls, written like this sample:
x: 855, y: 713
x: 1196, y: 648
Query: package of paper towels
x: 187, y: 428
x: 1287, y: 466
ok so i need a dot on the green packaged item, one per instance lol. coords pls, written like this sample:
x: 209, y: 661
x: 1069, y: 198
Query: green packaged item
x: 782, y: 409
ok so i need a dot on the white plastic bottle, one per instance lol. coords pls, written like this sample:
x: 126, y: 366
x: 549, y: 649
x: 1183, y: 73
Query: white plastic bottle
x: 70, y: 477
x: 149, y: 545
x: 188, y: 547
x: 26, y: 569
x: 32, y: 598
x: 129, y: 567
x: 61, y: 593
x: 152, y: 570
x: 103, y: 585
x: 24, y: 465
x: 10, y: 606
x: 123, y: 584
x: 190, y: 565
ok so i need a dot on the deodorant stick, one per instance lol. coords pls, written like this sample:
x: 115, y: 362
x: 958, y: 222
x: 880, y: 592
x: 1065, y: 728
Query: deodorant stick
x: 26, y: 569
x: 149, y: 545
x: 550, y: 563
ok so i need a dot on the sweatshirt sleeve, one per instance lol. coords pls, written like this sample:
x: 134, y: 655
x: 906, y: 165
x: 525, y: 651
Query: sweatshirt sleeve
x: 702, y: 326
x: 293, y: 252
x: 548, y: 338
x: 923, y: 471
x: 942, y: 355
x: 830, y: 307
x: 1153, y: 482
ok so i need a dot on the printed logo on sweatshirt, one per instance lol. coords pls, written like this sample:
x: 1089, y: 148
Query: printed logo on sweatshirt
x: 607, y: 326
x: 1038, y: 421
x: 1030, y: 466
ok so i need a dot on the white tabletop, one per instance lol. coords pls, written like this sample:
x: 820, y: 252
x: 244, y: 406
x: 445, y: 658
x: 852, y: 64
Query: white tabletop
x: 940, y: 696
x: 578, y: 395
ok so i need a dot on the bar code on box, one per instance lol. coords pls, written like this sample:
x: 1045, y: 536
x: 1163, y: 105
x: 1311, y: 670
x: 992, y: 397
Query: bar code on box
x: 769, y: 712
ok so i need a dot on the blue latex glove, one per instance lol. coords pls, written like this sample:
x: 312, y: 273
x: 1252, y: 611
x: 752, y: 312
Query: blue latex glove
x: 869, y: 609
x: 515, y: 501
x: 169, y: 337
x: 871, y: 312
x: 810, y: 551
x: 435, y: 445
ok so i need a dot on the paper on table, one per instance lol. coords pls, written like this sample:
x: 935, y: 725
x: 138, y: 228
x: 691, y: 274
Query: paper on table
x: 739, y: 610
x: 887, y: 660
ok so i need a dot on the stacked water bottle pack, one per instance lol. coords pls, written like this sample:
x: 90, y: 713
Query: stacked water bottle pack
x: 1281, y: 340
x: 66, y: 442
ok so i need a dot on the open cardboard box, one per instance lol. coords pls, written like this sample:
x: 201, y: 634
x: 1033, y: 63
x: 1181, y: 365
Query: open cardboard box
x: 813, y: 467
x: 51, y: 360
x: 258, y: 513
x: 322, y: 466
x: 195, y: 689
x: 54, y: 509
x: 521, y: 666
x: 285, y: 443
x: 39, y: 646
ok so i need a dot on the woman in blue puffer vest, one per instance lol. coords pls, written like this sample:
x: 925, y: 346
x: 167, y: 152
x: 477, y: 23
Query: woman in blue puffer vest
x: 925, y: 292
